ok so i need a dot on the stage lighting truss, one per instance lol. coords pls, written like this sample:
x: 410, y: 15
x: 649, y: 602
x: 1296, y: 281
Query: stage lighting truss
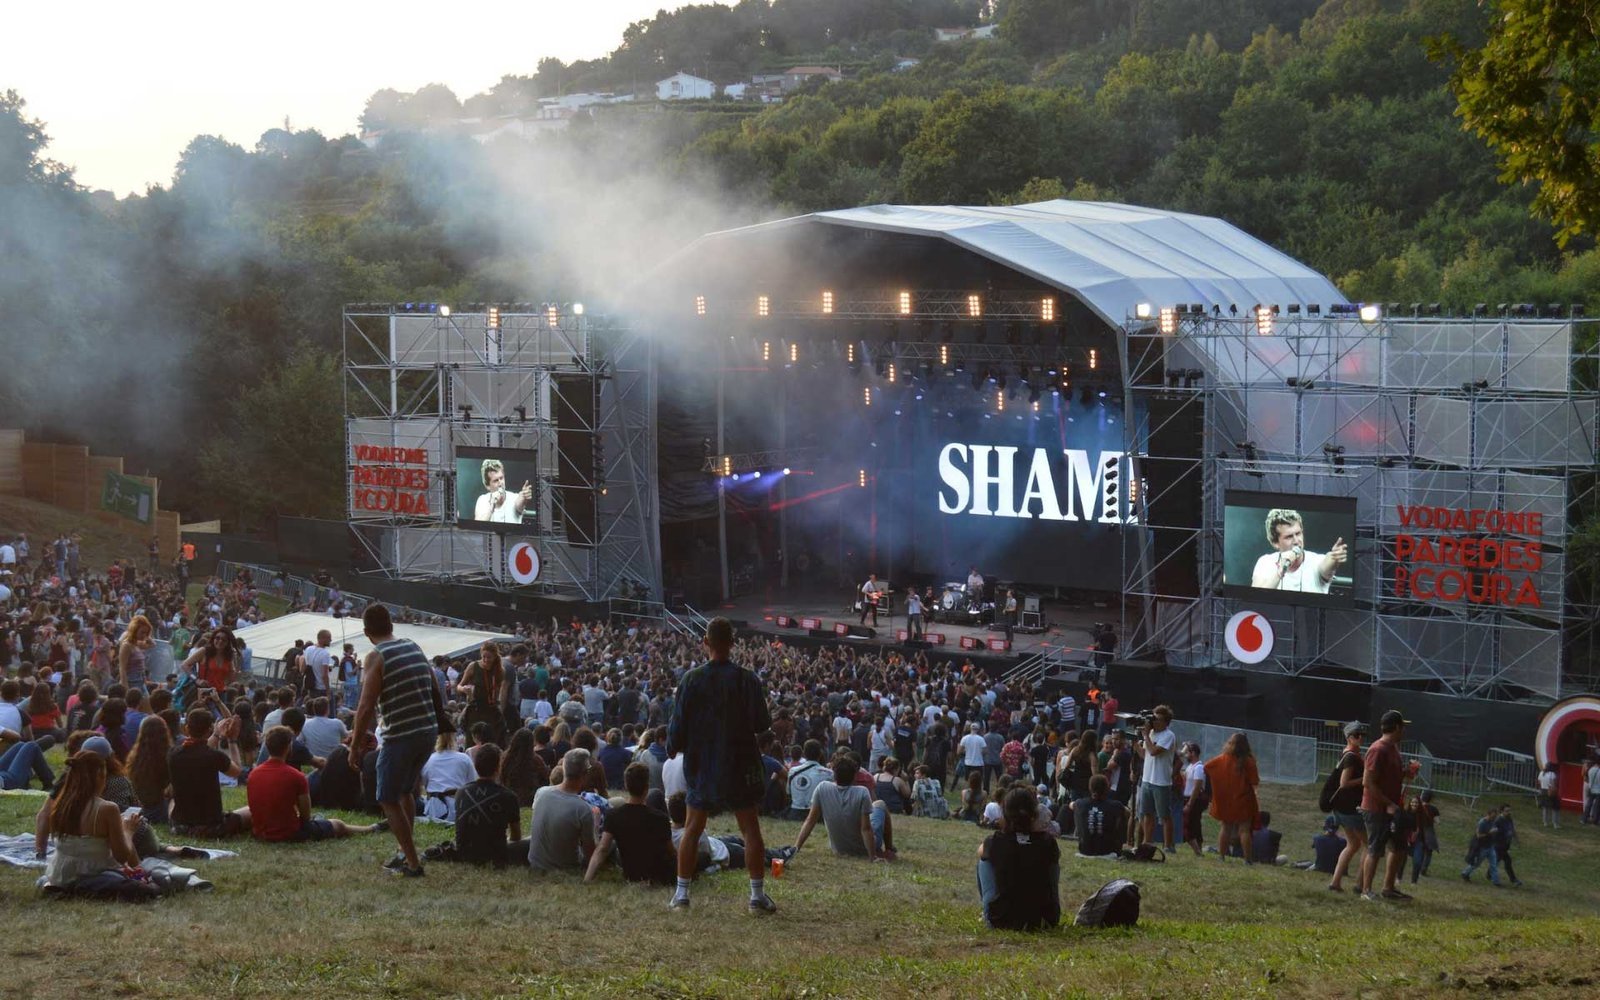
x: 901, y: 304
x: 773, y: 460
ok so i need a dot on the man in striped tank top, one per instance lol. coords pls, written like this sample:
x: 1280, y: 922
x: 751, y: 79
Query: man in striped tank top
x: 397, y: 684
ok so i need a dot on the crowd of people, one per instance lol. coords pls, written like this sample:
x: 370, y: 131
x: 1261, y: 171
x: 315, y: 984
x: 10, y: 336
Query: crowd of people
x: 622, y: 741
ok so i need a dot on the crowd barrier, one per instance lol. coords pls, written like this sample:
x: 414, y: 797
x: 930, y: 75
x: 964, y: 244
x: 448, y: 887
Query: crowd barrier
x: 299, y: 589
x: 1509, y: 769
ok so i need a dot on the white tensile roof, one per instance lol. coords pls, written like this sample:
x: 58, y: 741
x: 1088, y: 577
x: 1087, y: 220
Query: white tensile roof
x: 269, y: 639
x: 1112, y: 257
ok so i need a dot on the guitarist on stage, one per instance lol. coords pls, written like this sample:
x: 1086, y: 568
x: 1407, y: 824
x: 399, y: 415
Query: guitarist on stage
x: 871, y: 593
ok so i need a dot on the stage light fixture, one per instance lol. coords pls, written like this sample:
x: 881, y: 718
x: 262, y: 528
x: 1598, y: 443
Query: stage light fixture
x: 890, y: 372
x: 1000, y: 400
x: 1480, y: 309
x: 1370, y: 313
x: 763, y: 306
x: 1094, y: 359
x: 794, y: 352
x: 850, y: 352
x: 786, y: 470
x: 1169, y: 320
x: 699, y: 305
x: 1294, y: 309
x: 861, y: 478
x: 727, y: 465
x: 827, y: 303
x: 444, y: 311
x: 522, y: 414
x: 494, y: 317
x: 766, y: 351
x: 577, y: 310
x: 1313, y: 309
x: 944, y: 355
x: 866, y: 395
x: 1047, y: 310
x: 974, y: 306
x: 756, y: 474
x: 552, y: 315
x: 905, y: 303
x: 1263, y: 321
x: 1576, y: 310
x: 466, y: 414
x: 1191, y: 376
x: 1142, y: 311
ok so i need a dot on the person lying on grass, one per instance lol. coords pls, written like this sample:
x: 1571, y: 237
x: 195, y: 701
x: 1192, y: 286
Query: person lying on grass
x: 720, y: 852
x: 280, y: 799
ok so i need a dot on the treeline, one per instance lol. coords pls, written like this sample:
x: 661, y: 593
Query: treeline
x: 198, y: 324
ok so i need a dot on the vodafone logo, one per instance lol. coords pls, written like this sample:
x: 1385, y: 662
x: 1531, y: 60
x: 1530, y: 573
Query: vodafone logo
x: 522, y: 562
x: 1249, y: 637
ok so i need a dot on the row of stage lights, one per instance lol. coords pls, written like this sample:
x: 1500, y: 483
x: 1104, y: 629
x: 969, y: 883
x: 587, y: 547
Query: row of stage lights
x: 731, y: 478
x: 1168, y: 317
x: 904, y: 302
x: 551, y: 311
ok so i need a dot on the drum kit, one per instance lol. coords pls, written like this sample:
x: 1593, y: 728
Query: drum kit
x: 956, y: 604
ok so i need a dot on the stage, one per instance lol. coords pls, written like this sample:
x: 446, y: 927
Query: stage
x: 1068, y: 627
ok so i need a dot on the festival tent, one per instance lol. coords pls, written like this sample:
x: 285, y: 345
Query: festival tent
x: 268, y: 640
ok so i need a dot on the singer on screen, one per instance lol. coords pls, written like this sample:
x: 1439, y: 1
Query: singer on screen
x: 1290, y: 566
x: 497, y: 504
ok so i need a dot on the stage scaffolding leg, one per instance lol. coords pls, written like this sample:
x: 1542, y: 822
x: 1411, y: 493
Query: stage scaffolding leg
x: 783, y: 484
x: 722, y: 489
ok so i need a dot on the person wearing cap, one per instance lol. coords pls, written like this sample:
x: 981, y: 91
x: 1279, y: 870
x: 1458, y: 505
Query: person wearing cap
x: 1382, y: 784
x: 1346, y: 803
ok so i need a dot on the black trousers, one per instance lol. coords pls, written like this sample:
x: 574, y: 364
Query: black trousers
x: 914, y: 626
x: 869, y: 608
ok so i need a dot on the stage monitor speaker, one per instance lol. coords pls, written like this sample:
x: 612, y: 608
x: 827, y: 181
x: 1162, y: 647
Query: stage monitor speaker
x: 1032, y: 619
x: 820, y: 633
x: 1030, y: 604
x: 934, y: 638
x: 999, y: 645
x: 862, y: 632
x: 574, y: 403
x: 970, y: 642
x: 814, y: 624
x: 784, y: 621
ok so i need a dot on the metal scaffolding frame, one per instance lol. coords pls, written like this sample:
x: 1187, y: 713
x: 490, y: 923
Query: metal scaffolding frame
x: 494, y: 378
x: 1490, y: 412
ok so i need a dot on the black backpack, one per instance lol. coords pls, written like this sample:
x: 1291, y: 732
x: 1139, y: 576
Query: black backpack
x: 1115, y: 904
x: 1330, y: 787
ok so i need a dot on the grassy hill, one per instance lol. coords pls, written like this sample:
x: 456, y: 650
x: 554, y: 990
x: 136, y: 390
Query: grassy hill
x: 323, y: 920
x: 102, y: 542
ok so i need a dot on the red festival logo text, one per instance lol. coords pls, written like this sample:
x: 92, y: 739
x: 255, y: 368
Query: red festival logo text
x: 1469, y: 564
x: 389, y: 480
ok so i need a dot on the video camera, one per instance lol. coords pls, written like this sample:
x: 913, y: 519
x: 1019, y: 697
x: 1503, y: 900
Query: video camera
x: 1134, y: 723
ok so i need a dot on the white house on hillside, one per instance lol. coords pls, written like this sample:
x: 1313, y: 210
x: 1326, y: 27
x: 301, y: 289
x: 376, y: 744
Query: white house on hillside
x: 684, y: 87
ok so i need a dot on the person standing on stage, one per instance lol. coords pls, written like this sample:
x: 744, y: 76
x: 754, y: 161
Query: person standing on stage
x: 1010, y: 613
x: 717, y: 717
x: 974, y: 584
x: 870, y: 592
x: 914, y: 616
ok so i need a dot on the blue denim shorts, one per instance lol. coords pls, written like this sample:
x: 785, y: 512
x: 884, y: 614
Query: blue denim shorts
x: 400, y: 761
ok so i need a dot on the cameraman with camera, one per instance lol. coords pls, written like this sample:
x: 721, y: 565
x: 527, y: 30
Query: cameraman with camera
x: 1155, y: 786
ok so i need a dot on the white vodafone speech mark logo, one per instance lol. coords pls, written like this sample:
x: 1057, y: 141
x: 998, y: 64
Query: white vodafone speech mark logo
x: 522, y: 562
x: 1249, y: 637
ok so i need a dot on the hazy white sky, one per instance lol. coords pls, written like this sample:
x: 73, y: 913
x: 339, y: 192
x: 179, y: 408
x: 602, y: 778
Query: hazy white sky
x: 122, y: 88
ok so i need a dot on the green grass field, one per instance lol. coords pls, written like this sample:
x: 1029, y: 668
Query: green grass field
x: 323, y: 920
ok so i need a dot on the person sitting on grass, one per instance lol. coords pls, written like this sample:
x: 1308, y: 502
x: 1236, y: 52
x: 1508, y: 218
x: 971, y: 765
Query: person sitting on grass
x: 561, y: 833
x: 722, y: 852
x: 93, y: 850
x: 487, y: 813
x: 804, y: 777
x: 300, y: 755
x: 148, y: 768
x: 891, y: 788
x: 641, y: 836
x: 522, y: 770
x: 337, y: 785
x: 1099, y: 820
x: 994, y: 810
x: 854, y: 821
x: 973, y: 798
x: 206, y: 752
x: 1328, y: 846
x: 280, y: 799
x: 928, y: 795
x: 1019, y: 869
x: 446, y: 772
x: 1264, y: 841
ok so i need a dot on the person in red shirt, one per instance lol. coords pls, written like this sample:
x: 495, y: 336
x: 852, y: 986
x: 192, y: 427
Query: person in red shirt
x: 280, y: 799
x: 1108, y: 711
x: 1382, y: 794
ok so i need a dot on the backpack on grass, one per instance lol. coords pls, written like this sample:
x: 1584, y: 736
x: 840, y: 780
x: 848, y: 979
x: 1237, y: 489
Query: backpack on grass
x: 1144, y: 852
x: 1115, y: 904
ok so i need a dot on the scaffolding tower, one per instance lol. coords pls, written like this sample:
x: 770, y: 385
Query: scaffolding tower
x: 577, y: 392
x: 1485, y: 412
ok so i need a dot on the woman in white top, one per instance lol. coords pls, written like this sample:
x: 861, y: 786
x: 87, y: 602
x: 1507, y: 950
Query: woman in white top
x: 90, y: 836
x: 1195, y: 796
x: 1549, y: 798
x: 446, y: 773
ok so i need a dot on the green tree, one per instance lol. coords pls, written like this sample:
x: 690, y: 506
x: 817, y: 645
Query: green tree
x: 280, y: 451
x: 1532, y: 92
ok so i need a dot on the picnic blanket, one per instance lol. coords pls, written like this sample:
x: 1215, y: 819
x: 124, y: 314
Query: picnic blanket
x: 17, y: 851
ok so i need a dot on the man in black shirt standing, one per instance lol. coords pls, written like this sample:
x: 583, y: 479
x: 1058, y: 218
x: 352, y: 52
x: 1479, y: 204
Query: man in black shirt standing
x: 196, y: 792
x: 485, y: 811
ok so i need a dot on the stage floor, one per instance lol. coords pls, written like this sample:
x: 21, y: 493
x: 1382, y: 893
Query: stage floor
x: 1067, y: 627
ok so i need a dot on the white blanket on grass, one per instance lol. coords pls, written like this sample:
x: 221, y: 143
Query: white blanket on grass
x: 17, y: 851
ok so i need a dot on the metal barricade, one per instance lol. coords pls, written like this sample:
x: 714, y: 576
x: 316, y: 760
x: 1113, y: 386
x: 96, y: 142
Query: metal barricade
x: 1281, y: 758
x: 1509, y: 769
x: 1462, y: 778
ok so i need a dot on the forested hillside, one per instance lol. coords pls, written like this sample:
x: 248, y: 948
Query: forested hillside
x: 198, y: 324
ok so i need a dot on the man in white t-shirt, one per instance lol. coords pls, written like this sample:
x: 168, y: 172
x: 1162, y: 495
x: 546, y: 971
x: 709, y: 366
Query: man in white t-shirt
x: 1194, y: 795
x: 672, y: 779
x: 972, y: 747
x: 8, y: 557
x: 1290, y: 566
x: 1155, y: 781
x: 318, y: 659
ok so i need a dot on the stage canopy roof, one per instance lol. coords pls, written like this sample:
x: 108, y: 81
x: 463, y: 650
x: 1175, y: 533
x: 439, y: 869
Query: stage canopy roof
x: 269, y: 639
x: 1111, y: 257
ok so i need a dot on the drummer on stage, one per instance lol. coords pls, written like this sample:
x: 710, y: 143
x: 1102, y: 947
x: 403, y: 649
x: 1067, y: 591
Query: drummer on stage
x: 974, y: 585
